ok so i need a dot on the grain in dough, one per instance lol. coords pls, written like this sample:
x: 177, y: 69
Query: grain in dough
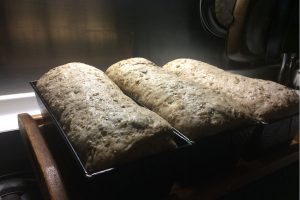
x: 104, y: 126
x: 263, y: 100
x: 194, y: 110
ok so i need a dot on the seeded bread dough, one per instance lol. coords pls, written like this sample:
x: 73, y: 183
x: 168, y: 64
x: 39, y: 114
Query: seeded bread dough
x: 105, y: 126
x: 263, y: 100
x: 193, y: 110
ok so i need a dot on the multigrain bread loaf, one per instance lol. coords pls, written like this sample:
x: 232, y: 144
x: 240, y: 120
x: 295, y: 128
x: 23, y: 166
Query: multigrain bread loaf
x: 195, y: 111
x: 105, y: 126
x: 263, y: 100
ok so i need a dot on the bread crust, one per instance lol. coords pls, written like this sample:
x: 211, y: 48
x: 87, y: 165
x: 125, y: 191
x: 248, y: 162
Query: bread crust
x: 263, y: 100
x: 105, y: 126
x: 193, y: 110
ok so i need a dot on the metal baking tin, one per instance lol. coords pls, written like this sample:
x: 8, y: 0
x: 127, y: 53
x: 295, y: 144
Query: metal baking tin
x: 152, y: 173
x: 271, y: 135
x: 192, y: 159
x: 222, y: 150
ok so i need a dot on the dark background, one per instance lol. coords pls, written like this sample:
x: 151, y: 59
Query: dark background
x: 38, y: 35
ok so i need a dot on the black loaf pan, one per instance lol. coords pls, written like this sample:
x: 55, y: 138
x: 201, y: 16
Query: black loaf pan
x: 269, y: 136
x: 192, y: 161
x: 221, y: 151
x: 147, y: 178
x: 211, y: 154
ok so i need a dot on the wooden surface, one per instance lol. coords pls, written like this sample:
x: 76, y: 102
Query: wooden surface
x: 217, y: 186
x: 48, y: 173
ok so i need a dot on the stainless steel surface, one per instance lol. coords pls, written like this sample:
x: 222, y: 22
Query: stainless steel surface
x: 37, y: 35
x: 12, y: 105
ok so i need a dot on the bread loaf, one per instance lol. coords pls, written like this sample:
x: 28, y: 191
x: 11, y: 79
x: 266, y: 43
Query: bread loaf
x: 263, y: 100
x: 193, y: 110
x: 105, y: 126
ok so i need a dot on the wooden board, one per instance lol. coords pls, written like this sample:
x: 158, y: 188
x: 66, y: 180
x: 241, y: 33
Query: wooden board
x: 45, y: 166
